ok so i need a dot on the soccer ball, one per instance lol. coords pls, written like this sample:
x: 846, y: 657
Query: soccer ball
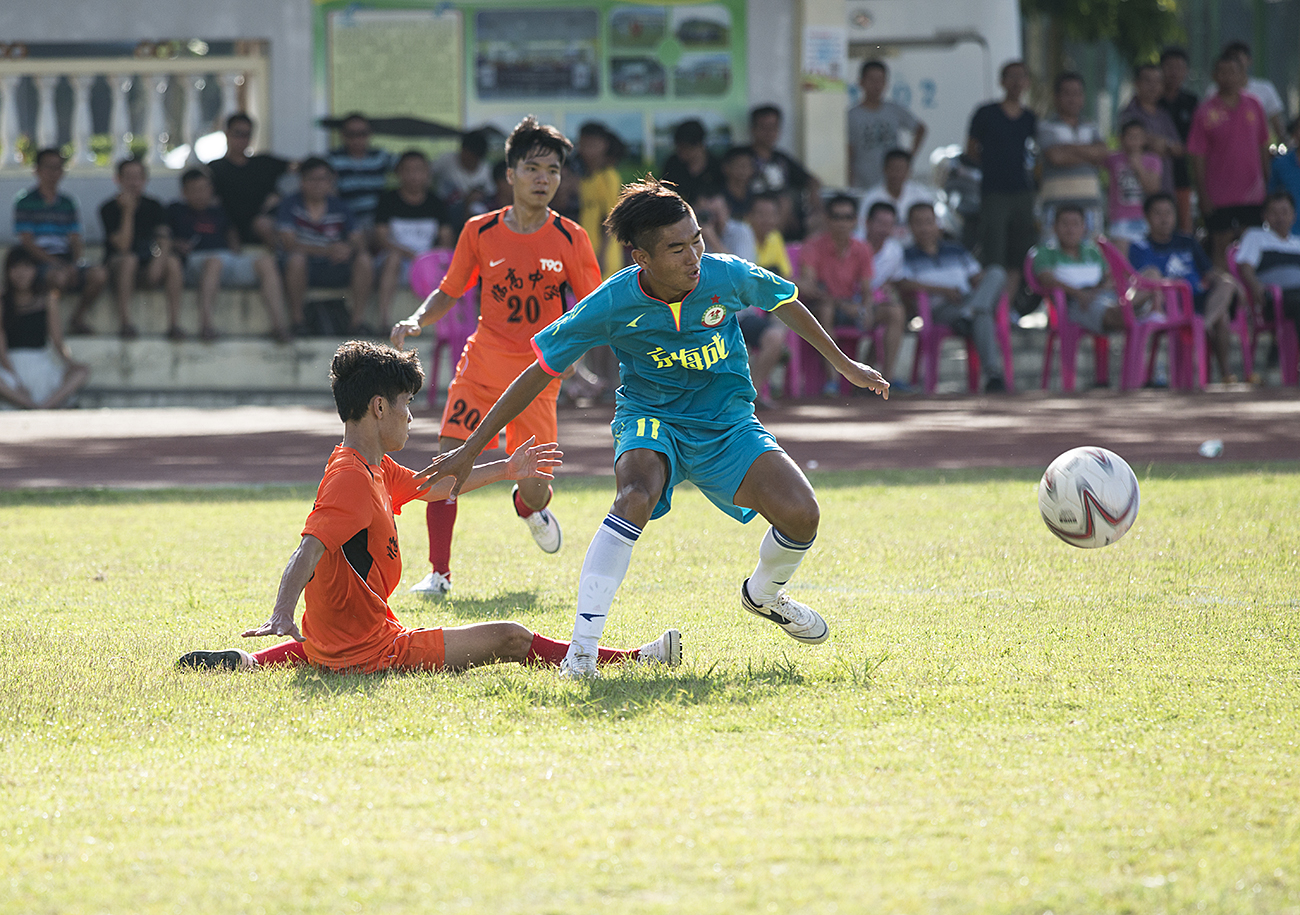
x: 1088, y: 497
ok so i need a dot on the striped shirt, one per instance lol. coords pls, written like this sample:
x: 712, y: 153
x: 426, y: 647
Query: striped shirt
x: 49, y: 223
x: 360, y: 181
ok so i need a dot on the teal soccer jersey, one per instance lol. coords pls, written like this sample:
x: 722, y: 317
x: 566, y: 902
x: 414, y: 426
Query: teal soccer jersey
x: 683, y: 362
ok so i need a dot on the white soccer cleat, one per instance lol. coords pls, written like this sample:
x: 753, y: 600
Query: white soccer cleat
x: 544, y: 528
x: 579, y: 667
x: 799, y: 621
x: 666, y: 650
x: 435, y: 584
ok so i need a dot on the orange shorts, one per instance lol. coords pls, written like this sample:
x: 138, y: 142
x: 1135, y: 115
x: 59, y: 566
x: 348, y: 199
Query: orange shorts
x: 473, y: 392
x: 413, y: 649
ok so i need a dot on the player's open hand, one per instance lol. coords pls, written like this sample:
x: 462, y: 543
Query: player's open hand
x: 532, y: 461
x: 864, y: 376
x: 403, y: 329
x: 276, y: 626
x: 457, y: 463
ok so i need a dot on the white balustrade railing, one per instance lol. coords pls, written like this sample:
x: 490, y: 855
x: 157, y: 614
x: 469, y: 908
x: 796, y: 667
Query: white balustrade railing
x: 242, y: 80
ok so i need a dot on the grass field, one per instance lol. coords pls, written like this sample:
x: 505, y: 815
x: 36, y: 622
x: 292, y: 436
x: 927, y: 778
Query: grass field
x: 999, y: 723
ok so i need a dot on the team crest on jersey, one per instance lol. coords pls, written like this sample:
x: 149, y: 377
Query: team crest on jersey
x: 714, y: 315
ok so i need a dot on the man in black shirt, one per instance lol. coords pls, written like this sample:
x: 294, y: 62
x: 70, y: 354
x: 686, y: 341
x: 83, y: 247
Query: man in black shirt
x: 691, y: 166
x: 777, y: 172
x: 138, y: 248
x: 247, y: 184
x: 409, y: 220
x: 1181, y: 106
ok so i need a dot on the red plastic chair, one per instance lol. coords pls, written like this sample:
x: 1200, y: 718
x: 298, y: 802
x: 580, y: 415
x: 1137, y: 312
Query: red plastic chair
x: 1181, y: 324
x: 455, y: 327
x: 1262, y: 320
x: 1061, y: 329
x: 929, y: 342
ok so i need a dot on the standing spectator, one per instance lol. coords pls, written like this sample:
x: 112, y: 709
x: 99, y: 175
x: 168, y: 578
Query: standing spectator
x: 1075, y: 265
x: 208, y: 246
x: 874, y: 127
x: 598, y: 191
x: 138, y: 248
x: 1286, y: 169
x: 1181, y: 106
x: 409, y: 220
x: 463, y: 179
x: 48, y: 226
x: 962, y: 295
x: 1229, y: 153
x: 1073, y: 150
x: 1164, y: 253
x: 765, y: 336
x: 361, y: 171
x: 1134, y: 175
x: 1262, y: 90
x: 1000, y: 143
x: 246, y: 185
x: 691, y: 167
x: 775, y: 171
x: 835, y: 278
x: 1271, y: 255
x: 30, y: 376
x: 738, y: 183
x: 1162, y: 136
x: 322, y: 244
x: 897, y: 189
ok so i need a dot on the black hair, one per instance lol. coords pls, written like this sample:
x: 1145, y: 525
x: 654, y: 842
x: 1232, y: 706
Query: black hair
x: 362, y: 370
x: 593, y: 129
x: 1227, y: 56
x: 881, y: 206
x: 239, y: 117
x: 1145, y: 65
x: 1152, y: 199
x: 772, y: 197
x: 1173, y: 52
x: 872, y: 65
x: 644, y: 207
x: 529, y: 137
x: 130, y: 160
x: 354, y: 116
x: 897, y: 153
x: 475, y: 143
x: 311, y: 163
x: 841, y: 200
x: 17, y: 255
x: 689, y: 133
x: 763, y: 111
x: 1237, y: 48
x: 918, y: 205
x: 735, y: 152
x: 1002, y: 74
x: 1130, y: 122
x: 47, y: 151
x: 1280, y: 194
x: 1066, y: 76
x: 194, y: 174
x: 410, y: 154
x: 499, y: 170
x: 1069, y: 208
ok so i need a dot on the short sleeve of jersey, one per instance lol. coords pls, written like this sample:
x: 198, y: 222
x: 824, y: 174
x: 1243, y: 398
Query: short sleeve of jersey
x: 1140, y: 255
x: 343, y: 506
x: 464, y: 262
x: 758, y: 287
x: 561, y: 343
x: 401, y: 483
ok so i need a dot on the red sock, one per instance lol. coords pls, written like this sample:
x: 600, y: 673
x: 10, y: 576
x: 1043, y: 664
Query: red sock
x: 552, y: 652
x: 440, y: 518
x: 522, y: 509
x: 290, y: 652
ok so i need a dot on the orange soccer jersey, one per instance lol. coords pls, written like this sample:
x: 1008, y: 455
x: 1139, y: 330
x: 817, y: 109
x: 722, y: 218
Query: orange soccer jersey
x: 347, y: 621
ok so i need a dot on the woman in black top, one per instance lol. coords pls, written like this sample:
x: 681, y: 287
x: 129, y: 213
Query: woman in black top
x: 37, y: 370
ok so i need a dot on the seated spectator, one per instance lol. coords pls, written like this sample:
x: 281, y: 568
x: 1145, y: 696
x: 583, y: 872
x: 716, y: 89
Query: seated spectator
x: 835, y: 282
x: 598, y: 189
x: 738, y: 183
x: 779, y: 172
x: 323, y: 248
x: 962, y: 295
x: 1075, y: 265
x: 691, y: 167
x: 887, y: 256
x: 1073, y: 150
x: 138, y: 248
x: 48, y: 226
x: 874, y: 125
x: 246, y: 185
x: 208, y: 246
x: 898, y: 190
x: 723, y: 233
x: 764, y: 221
x: 1162, y: 136
x: 1285, y: 175
x: 410, y: 220
x: 361, y: 171
x: 1165, y: 253
x: 765, y: 336
x: 463, y: 179
x: 31, y: 377
x: 502, y: 193
x: 1270, y: 256
x: 1134, y: 175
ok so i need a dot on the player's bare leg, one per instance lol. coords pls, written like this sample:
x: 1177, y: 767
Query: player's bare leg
x: 492, y: 643
x: 776, y: 488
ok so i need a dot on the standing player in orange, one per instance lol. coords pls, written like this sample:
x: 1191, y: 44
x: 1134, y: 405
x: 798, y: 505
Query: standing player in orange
x: 525, y: 255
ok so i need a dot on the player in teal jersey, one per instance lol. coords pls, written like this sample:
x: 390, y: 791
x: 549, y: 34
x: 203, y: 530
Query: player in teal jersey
x: 685, y: 410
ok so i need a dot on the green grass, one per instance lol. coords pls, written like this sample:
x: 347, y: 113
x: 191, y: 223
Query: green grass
x: 999, y: 723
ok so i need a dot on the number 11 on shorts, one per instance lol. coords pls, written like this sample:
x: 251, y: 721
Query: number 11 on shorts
x: 654, y: 428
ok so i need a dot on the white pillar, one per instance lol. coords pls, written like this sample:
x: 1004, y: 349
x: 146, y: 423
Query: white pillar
x: 47, y: 119
x: 155, y: 120
x: 229, y: 95
x: 9, y: 122
x: 191, y: 128
x: 81, y: 122
x: 119, y: 122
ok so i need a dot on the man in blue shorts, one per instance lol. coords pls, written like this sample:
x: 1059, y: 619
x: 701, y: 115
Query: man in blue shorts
x: 685, y: 410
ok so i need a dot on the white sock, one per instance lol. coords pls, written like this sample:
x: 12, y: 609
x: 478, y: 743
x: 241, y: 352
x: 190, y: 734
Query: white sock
x: 602, y: 572
x: 778, y: 558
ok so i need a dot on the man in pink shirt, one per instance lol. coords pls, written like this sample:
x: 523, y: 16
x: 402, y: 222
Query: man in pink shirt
x: 835, y: 281
x: 1228, y: 151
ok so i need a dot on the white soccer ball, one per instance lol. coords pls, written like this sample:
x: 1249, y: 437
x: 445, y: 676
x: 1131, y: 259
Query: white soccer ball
x: 1088, y: 497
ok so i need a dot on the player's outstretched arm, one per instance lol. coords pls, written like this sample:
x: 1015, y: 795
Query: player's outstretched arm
x: 529, y: 462
x: 460, y: 462
x: 796, y: 317
x: 431, y: 310
x: 301, y: 567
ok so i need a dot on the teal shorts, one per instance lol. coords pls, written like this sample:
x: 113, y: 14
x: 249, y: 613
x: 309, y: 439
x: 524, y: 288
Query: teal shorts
x: 715, y: 461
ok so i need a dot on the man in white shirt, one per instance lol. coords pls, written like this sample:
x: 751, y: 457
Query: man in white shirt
x: 723, y: 233
x: 887, y: 250
x: 463, y: 179
x: 1270, y: 255
x: 897, y: 189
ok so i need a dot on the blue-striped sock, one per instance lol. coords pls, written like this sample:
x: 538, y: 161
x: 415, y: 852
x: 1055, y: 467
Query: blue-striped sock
x: 602, y: 572
x: 778, y: 558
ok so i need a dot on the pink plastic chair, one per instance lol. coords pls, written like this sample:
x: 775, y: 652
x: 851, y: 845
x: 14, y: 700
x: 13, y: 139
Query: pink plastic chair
x: 1183, y: 326
x: 1266, y: 320
x: 929, y: 343
x: 455, y: 327
x: 1061, y: 329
